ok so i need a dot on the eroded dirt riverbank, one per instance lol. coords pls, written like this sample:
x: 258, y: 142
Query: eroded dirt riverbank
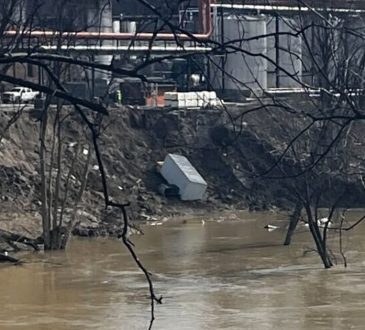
x: 132, y: 143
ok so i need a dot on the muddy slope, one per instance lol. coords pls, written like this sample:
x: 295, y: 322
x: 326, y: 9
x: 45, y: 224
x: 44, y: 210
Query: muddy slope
x: 134, y: 140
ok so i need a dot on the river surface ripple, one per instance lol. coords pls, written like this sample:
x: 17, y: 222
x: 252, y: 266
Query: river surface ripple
x: 217, y: 275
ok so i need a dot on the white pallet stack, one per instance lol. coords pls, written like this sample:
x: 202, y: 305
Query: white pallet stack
x: 201, y: 99
x: 175, y: 99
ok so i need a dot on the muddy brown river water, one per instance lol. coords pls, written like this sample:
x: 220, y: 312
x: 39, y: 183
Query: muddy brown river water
x: 217, y: 275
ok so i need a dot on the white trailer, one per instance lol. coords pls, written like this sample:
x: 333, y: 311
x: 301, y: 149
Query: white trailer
x: 178, y: 170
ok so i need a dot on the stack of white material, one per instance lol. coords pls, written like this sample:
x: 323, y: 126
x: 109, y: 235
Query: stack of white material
x: 192, y: 99
x: 175, y: 99
x: 178, y: 170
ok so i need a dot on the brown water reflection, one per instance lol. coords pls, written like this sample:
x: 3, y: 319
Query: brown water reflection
x: 228, y: 275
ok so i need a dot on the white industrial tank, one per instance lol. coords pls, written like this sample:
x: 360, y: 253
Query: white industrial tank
x: 100, y: 19
x: 244, y: 67
x: 116, y: 26
x: 285, y: 51
x: 129, y: 26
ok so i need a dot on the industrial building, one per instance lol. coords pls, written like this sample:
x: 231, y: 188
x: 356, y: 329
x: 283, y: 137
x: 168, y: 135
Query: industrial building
x: 235, y: 48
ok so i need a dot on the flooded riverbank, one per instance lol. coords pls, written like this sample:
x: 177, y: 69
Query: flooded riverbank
x: 213, y: 275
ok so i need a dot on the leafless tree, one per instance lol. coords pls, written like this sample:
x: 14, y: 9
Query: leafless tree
x: 315, y: 136
x: 311, y: 155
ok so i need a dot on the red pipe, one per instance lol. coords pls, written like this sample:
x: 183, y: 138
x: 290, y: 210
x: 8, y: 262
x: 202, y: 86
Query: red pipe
x: 206, y: 25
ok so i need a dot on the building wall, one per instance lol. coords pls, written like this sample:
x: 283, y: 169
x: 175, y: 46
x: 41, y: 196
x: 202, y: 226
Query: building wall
x: 69, y: 15
x: 134, y: 7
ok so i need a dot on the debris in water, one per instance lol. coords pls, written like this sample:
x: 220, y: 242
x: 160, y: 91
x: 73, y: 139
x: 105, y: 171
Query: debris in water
x: 155, y: 223
x: 271, y: 228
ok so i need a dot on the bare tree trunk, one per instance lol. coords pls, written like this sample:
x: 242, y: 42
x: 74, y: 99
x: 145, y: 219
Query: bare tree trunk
x: 293, y: 222
x: 56, y: 229
x: 50, y: 176
x: 317, y: 237
x: 44, y: 194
